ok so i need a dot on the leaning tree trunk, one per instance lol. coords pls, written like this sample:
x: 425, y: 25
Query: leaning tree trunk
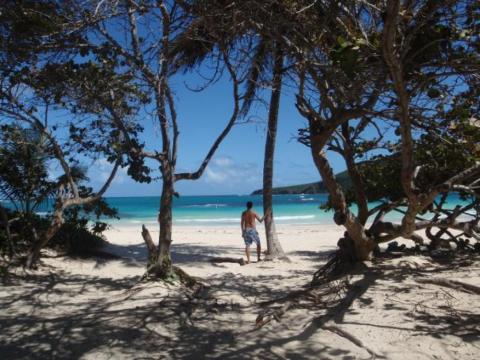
x: 357, y: 245
x: 274, y: 249
x: 55, y: 225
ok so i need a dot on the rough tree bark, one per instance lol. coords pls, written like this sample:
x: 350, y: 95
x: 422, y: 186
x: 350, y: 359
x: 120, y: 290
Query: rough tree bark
x: 163, y: 265
x: 274, y: 249
x: 362, y: 244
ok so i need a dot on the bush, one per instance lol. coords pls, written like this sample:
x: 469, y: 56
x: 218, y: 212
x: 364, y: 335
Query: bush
x: 81, y: 233
x: 76, y: 239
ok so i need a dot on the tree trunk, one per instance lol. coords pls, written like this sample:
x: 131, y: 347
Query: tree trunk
x: 274, y: 249
x: 363, y: 245
x: 8, y: 235
x: 163, y: 266
x: 55, y: 225
x: 355, y: 176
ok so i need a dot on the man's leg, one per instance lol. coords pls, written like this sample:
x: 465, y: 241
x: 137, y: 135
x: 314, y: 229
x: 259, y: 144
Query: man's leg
x: 247, y: 252
x: 259, y: 250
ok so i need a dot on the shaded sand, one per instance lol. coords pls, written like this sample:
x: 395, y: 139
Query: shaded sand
x: 95, y: 309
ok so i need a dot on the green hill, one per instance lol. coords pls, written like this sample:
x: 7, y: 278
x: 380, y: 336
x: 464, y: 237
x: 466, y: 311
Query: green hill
x: 310, y: 188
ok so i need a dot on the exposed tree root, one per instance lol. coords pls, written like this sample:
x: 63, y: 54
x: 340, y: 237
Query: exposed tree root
x: 163, y: 271
x: 325, y: 295
x: 342, y: 262
x: 453, y: 284
x: 268, y: 314
x: 172, y: 276
x: 326, y: 288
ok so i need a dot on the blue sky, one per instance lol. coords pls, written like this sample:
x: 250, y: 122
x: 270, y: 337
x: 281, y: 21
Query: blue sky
x: 237, y: 165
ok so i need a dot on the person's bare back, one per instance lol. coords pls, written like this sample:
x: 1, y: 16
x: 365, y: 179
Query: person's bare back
x: 249, y: 217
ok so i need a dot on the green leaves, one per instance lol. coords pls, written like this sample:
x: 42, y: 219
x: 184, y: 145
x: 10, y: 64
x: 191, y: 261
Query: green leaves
x: 24, y: 156
x: 346, y: 54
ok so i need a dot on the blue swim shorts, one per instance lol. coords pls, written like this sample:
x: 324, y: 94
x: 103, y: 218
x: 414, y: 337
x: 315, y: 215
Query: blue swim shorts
x: 251, y: 235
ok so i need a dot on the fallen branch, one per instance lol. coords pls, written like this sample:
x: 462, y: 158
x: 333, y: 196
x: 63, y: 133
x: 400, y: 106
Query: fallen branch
x: 453, y: 284
x: 239, y: 261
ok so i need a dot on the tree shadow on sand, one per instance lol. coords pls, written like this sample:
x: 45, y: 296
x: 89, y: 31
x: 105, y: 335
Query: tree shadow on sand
x: 46, y: 317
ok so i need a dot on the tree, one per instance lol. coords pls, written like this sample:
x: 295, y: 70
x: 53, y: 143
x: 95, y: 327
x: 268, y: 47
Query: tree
x: 141, y: 41
x: 274, y: 249
x: 412, y: 111
x: 249, y: 26
x: 46, y: 79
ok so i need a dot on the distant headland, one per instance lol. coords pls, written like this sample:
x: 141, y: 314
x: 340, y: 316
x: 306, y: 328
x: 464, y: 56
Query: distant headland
x: 309, y: 188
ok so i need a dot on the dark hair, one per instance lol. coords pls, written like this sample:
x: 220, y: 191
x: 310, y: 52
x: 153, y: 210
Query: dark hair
x: 249, y: 205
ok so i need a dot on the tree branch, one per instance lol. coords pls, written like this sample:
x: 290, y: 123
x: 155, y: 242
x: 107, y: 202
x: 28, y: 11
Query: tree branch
x: 197, y: 174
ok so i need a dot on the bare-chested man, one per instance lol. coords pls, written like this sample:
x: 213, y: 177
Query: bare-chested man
x: 249, y: 232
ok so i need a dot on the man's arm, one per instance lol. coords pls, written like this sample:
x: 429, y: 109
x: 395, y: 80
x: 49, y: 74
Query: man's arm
x: 258, y: 218
x: 263, y: 218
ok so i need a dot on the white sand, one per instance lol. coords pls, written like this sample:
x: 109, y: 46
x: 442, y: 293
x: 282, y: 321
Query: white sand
x: 93, y: 309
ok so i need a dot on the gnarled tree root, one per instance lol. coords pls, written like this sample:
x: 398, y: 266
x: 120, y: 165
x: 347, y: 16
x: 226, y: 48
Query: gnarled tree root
x: 341, y: 262
x: 173, y: 275
x: 324, y: 295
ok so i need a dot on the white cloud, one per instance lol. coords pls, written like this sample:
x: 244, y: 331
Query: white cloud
x: 104, y: 169
x: 215, y: 176
x: 223, y: 161
x: 225, y: 171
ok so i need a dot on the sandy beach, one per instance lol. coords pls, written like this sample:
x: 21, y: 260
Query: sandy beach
x: 96, y: 309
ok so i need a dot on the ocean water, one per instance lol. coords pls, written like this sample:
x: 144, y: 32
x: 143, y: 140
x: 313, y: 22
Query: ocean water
x: 226, y: 210
x: 221, y: 210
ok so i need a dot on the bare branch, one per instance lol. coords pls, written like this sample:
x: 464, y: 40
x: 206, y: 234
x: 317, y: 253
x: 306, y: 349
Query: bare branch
x: 223, y: 134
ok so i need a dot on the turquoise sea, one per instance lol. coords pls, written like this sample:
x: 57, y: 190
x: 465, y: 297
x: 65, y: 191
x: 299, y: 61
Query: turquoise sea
x: 225, y: 210
x: 221, y: 210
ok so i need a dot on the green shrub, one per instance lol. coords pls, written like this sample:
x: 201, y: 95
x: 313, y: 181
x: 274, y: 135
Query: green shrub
x: 76, y: 239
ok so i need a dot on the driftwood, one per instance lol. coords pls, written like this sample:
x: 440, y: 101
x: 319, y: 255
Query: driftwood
x: 453, y: 284
x: 239, y: 261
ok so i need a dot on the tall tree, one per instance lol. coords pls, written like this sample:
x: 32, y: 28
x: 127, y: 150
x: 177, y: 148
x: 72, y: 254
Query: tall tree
x: 252, y: 27
x: 141, y: 40
x: 274, y: 249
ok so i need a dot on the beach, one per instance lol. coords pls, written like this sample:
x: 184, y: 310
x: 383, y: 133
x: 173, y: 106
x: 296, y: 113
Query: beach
x: 95, y: 308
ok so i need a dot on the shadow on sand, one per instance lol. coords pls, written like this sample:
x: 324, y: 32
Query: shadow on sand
x: 50, y: 316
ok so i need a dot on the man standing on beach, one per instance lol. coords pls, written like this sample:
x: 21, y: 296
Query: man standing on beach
x: 249, y: 232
